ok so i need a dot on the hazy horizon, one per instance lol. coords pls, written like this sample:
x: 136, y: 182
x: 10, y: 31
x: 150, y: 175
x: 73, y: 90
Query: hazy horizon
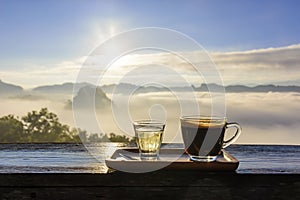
x: 68, y: 82
x: 266, y: 118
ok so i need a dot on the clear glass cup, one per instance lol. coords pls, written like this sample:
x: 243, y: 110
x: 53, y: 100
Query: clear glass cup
x: 203, y: 136
x: 149, y: 134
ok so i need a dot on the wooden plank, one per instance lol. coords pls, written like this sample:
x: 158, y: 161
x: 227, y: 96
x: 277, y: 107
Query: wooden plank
x: 161, y: 184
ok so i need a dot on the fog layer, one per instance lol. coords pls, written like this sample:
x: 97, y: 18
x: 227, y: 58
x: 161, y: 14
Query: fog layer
x: 266, y: 118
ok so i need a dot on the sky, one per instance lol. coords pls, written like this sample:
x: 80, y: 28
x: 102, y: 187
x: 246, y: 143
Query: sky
x: 45, y: 42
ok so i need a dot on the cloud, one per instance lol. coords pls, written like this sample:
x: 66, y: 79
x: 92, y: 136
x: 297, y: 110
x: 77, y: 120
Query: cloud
x: 281, y: 58
x: 36, y: 75
x: 266, y: 118
x: 260, y: 66
x: 264, y: 110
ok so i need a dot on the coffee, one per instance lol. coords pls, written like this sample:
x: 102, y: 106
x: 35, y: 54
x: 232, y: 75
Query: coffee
x: 203, y: 136
x: 195, y: 133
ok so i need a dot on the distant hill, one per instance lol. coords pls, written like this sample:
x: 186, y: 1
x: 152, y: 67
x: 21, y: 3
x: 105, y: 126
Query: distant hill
x: 123, y: 88
x: 89, y: 96
x: 262, y: 88
x: 65, y: 88
x: 126, y: 88
x: 7, y: 89
x: 205, y: 87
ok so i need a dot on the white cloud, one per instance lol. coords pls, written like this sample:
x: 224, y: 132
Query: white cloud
x: 282, y: 58
x: 65, y: 71
x: 260, y: 66
x: 271, y: 65
x: 266, y: 118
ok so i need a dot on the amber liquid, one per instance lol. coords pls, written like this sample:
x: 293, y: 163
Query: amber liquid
x: 148, y: 139
x: 194, y: 135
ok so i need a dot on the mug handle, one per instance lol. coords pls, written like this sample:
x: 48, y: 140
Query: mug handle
x: 236, y: 135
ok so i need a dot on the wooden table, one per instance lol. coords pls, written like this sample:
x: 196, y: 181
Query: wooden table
x: 154, y: 185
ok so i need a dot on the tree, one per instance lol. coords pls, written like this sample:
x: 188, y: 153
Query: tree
x: 79, y: 135
x: 44, y: 126
x: 118, y: 138
x: 94, y: 137
x: 11, y: 130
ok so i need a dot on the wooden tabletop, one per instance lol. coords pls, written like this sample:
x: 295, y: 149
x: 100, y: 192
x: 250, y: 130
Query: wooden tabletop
x: 159, y: 184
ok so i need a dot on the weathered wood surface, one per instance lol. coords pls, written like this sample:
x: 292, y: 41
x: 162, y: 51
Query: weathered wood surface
x: 161, y: 184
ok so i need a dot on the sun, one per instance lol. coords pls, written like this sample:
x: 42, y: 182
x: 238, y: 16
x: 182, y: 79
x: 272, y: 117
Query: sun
x: 103, y: 30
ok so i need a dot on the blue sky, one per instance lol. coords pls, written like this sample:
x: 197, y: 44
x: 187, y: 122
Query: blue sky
x: 45, y: 33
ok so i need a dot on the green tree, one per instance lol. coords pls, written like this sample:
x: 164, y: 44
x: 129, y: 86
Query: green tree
x: 118, y: 138
x: 94, y: 137
x: 79, y: 135
x: 44, y: 126
x: 11, y: 130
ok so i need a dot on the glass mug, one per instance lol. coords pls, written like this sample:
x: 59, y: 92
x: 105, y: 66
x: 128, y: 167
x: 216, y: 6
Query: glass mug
x: 148, y: 134
x: 203, y: 136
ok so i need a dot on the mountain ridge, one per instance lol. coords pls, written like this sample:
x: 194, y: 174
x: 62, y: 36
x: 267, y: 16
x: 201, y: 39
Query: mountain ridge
x: 9, y: 89
x: 67, y: 88
x: 127, y: 87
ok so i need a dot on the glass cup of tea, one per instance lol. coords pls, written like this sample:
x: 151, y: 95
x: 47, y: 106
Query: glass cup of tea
x: 149, y: 134
x: 203, y: 136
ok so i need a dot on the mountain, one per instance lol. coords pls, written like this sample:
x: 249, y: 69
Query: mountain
x: 205, y: 87
x: 7, y: 89
x: 262, y: 88
x: 127, y: 88
x: 121, y: 88
x: 238, y: 88
x: 65, y: 88
x: 89, y: 96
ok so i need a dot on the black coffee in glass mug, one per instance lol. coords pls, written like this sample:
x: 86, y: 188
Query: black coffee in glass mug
x: 203, y: 136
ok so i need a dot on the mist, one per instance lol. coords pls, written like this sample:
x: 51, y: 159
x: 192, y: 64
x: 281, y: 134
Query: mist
x: 266, y: 118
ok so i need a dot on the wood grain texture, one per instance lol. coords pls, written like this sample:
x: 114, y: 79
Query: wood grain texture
x: 160, y: 184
